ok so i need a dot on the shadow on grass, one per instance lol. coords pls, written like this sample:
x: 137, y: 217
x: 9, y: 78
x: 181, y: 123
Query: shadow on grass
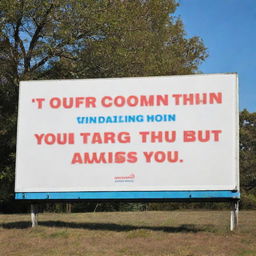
x: 187, y: 228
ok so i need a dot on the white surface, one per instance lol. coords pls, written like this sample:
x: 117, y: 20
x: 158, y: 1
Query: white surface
x: 206, y: 166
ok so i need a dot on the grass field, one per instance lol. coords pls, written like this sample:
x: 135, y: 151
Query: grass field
x: 181, y: 233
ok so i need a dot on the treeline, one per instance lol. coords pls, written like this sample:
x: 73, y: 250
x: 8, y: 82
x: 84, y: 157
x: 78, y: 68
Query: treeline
x: 71, y: 39
x: 247, y: 159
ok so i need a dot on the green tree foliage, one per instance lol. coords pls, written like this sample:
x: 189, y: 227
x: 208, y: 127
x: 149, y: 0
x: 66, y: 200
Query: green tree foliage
x: 248, y: 157
x: 50, y: 39
x: 150, y: 43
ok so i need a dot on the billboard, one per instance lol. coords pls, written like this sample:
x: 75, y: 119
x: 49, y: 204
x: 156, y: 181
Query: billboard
x: 127, y: 135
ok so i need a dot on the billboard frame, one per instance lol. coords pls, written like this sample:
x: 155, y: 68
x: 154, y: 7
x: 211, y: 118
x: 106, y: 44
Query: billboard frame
x: 170, y: 195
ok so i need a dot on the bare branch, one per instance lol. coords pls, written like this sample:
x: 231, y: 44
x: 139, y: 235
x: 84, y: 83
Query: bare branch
x: 17, y: 28
x: 40, y: 63
x: 34, y: 40
x: 16, y: 33
x: 22, y: 48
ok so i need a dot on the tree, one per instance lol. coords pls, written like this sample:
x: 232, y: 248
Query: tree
x: 50, y: 39
x: 29, y: 38
x: 150, y: 42
x: 248, y: 152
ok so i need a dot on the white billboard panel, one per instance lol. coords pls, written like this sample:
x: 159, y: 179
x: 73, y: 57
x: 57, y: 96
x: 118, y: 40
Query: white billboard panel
x: 130, y: 134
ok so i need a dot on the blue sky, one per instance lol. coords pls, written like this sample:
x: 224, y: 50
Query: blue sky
x: 228, y: 29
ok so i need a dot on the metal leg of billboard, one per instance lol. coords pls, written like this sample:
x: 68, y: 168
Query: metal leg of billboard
x: 234, y: 215
x: 34, y: 213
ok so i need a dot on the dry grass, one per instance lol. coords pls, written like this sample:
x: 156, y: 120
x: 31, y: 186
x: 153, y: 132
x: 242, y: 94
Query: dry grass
x: 176, y: 233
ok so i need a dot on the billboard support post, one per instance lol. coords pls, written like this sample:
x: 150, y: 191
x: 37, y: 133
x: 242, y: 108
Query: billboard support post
x: 234, y: 215
x: 34, y: 214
